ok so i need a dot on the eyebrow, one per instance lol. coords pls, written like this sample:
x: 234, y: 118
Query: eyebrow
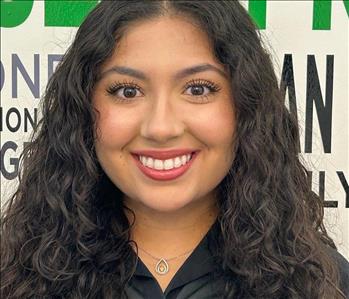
x: 123, y: 70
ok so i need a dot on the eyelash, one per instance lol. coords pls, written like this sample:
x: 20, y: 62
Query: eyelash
x: 213, y: 88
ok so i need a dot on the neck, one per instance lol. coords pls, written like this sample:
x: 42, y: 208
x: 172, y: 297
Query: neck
x: 170, y: 234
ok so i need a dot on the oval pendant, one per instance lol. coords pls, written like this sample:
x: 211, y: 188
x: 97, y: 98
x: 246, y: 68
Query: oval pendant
x: 161, y: 267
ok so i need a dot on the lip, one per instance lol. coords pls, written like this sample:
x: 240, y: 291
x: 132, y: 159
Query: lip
x: 163, y: 155
x: 164, y: 175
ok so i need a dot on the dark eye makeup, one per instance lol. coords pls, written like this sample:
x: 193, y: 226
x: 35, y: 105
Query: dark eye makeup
x: 126, y: 91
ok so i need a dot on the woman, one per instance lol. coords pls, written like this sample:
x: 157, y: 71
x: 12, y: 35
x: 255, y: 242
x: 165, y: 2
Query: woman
x: 166, y: 166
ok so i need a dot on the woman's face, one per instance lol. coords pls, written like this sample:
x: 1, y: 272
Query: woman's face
x: 177, y: 96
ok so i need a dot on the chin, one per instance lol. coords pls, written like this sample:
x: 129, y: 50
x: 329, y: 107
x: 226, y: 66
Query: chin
x: 165, y: 206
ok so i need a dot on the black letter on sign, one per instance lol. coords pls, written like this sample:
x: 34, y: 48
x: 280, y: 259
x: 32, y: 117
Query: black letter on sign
x: 345, y: 187
x: 287, y: 83
x: 324, y: 112
x: 9, y: 145
x: 327, y: 203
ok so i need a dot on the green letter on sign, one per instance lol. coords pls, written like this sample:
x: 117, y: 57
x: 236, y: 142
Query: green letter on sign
x: 322, y: 13
x: 67, y: 13
x: 258, y: 10
x: 14, y: 12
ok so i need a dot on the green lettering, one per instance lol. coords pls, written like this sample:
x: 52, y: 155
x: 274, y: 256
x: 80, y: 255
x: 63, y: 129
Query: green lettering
x: 258, y: 11
x: 67, y: 13
x: 15, y: 12
x: 322, y: 13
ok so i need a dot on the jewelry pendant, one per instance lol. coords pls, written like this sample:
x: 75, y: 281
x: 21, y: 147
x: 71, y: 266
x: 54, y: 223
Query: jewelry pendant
x: 161, y: 267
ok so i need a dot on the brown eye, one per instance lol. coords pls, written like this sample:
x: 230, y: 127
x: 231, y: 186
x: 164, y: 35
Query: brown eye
x: 197, y: 90
x: 201, y: 89
x: 124, y: 91
x: 129, y: 92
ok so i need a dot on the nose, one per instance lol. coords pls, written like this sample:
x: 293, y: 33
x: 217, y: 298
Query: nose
x: 162, y: 121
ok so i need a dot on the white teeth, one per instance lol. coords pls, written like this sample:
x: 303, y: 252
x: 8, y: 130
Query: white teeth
x: 158, y: 164
x: 177, y: 162
x: 150, y: 162
x: 168, y: 164
x: 165, y: 164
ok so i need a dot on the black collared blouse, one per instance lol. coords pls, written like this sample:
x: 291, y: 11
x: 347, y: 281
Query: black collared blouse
x: 198, y: 277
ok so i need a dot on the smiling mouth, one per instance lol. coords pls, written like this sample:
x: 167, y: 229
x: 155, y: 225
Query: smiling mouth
x: 158, y: 170
x: 165, y: 164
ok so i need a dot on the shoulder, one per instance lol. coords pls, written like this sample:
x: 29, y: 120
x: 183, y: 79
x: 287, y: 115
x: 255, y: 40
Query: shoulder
x: 343, y: 266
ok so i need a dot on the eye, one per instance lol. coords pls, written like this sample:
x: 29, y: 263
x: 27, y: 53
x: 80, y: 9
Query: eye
x: 201, y: 89
x: 124, y: 90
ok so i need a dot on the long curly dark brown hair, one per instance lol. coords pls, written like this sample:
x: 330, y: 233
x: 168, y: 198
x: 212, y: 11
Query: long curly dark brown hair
x: 64, y: 231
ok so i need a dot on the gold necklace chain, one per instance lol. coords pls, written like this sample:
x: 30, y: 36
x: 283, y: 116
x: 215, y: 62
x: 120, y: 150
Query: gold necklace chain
x: 162, y: 266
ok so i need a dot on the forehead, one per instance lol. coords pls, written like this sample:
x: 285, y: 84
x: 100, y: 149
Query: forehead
x: 168, y: 41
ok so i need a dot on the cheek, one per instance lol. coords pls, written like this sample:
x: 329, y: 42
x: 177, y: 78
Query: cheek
x: 215, y: 126
x: 114, y: 127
